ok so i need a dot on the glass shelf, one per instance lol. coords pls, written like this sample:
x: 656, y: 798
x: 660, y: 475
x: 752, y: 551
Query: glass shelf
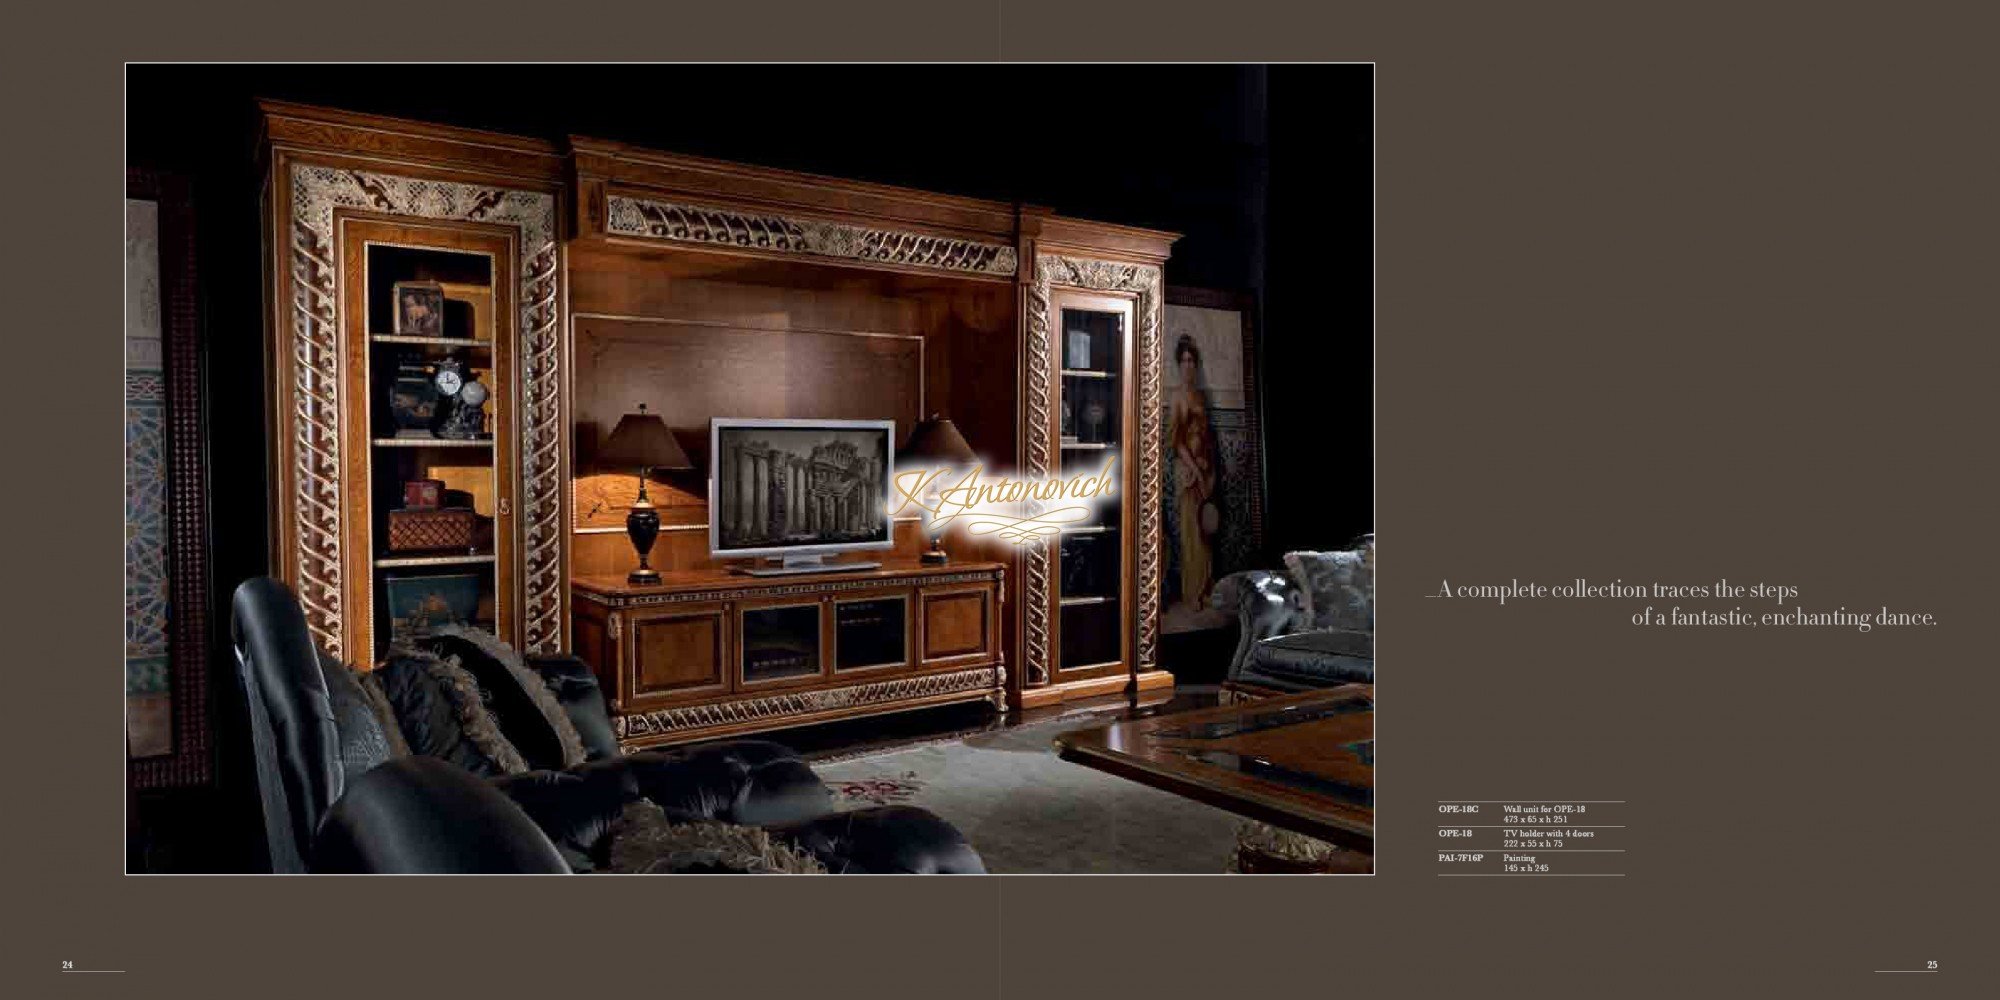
x: 1073, y: 601
x: 396, y: 338
x: 400, y: 562
x: 433, y: 442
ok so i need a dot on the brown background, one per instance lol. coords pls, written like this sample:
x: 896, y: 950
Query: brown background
x: 1661, y: 296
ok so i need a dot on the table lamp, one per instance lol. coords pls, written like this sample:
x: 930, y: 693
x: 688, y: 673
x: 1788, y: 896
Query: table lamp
x: 642, y: 440
x: 937, y: 441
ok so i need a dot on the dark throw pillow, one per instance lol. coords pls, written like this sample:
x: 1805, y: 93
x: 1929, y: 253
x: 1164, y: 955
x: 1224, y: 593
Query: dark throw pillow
x: 520, y: 700
x: 366, y: 741
x: 440, y: 710
x: 1336, y: 588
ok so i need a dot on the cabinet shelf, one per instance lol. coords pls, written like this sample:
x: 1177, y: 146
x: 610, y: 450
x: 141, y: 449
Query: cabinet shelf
x: 404, y: 562
x: 397, y: 338
x: 1086, y: 445
x: 433, y: 443
x: 1069, y: 602
x: 1087, y: 373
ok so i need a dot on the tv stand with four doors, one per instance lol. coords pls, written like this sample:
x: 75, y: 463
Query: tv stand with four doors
x: 708, y: 653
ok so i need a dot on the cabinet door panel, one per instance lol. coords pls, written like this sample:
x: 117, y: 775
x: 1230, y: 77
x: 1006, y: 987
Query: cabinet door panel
x: 1091, y: 604
x: 956, y: 625
x: 781, y: 642
x: 874, y: 631
x: 679, y: 655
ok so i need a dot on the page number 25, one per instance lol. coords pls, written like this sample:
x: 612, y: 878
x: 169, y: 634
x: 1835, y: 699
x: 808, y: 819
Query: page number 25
x: 1932, y: 964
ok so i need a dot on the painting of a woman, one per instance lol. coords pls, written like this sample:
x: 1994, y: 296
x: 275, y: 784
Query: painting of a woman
x: 1196, y: 465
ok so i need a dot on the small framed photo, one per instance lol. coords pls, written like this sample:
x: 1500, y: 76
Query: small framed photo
x: 419, y: 309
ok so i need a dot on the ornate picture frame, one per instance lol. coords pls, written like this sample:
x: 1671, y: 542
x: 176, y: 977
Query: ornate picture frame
x: 1220, y: 423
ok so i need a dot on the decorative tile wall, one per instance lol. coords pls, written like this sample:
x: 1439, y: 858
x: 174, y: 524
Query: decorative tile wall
x: 149, y: 703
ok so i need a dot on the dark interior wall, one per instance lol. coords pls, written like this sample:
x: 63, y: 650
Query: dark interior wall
x: 1319, y: 309
x: 1266, y: 172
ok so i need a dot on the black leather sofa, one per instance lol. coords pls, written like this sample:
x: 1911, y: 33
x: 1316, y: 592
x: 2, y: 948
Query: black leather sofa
x: 1277, y: 648
x: 335, y: 799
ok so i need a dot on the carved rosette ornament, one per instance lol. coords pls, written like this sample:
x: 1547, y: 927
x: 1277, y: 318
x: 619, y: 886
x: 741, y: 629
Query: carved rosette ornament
x: 683, y: 223
x: 317, y: 191
x: 1143, y: 280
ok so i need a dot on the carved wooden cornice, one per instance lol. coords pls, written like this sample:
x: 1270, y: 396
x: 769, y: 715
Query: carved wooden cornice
x: 681, y: 222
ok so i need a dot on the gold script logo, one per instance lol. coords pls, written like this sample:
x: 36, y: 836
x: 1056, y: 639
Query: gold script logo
x: 1016, y: 509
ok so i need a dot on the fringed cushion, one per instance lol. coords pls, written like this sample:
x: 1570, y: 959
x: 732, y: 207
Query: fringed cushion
x: 519, y: 699
x: 441, y: 713
x: 1336, y: 588
x: 644, y: 841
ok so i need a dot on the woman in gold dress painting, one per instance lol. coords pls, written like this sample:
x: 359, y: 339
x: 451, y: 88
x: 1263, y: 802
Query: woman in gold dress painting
x: 1196, y: 465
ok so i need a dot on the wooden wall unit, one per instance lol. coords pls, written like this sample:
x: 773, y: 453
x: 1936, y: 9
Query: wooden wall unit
x: 328, y: 172
x: 711, y: 289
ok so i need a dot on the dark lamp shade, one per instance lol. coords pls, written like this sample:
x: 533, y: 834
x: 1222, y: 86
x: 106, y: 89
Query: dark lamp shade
x: 641, y: 441
x: 937, y: 440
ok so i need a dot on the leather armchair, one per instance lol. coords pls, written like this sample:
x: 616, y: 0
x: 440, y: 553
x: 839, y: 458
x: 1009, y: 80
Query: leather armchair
x: 386, y: 823
x: 315, y: 744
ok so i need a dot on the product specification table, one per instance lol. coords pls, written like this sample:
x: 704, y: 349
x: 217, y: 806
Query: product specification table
x: 1531, y: 838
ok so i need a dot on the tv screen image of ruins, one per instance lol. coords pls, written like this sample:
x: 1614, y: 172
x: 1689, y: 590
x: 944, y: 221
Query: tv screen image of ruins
x: 778, y: 487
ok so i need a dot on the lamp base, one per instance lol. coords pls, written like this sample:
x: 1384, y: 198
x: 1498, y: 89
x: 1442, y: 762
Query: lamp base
x: 936, y: 556
x: 643, y: 526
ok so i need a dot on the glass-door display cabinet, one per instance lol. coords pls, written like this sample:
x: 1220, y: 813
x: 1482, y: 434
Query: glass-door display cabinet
x: 1091, y: 401
x: 415, y: 359
x: 429, y: 310
x: 1094, y: 403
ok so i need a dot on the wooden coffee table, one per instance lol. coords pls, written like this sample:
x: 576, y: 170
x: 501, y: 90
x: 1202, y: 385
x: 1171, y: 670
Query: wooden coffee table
x: 1303, y: 762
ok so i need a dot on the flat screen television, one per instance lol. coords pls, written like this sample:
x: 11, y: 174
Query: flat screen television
x: 799, y: 490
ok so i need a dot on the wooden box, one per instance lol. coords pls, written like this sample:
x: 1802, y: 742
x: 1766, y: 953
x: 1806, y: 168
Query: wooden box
x: 439, y: 530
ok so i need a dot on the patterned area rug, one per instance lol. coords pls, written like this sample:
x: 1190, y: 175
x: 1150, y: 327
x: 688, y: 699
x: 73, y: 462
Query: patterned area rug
x: 1029, y: 811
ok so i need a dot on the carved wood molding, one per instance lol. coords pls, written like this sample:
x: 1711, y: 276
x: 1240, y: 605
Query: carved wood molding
x: 1144, y: 281
x: 790, y: 704
x: 317, y: 191
x: 685, y: 223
